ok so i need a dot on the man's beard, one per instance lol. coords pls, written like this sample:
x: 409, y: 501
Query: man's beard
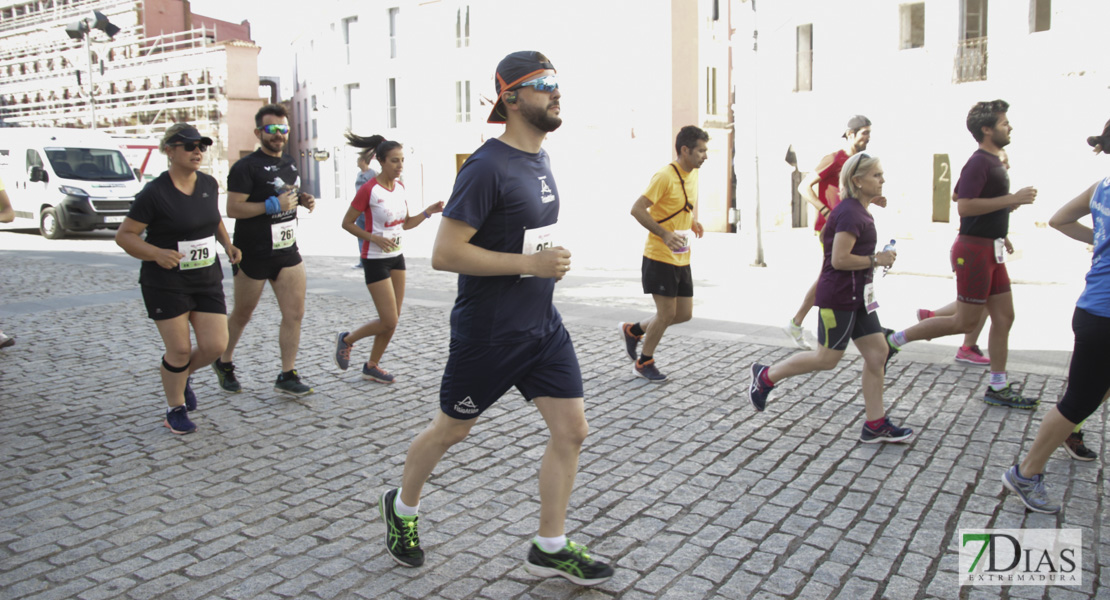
x: 269, y: 145
x: 539, y: 118
x: 1000, y: 139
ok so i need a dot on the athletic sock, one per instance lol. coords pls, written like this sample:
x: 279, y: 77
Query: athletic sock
x: 765, y: 378
x: 793, y: 324
x: 898, y: 340
x: 998, y: 380
x: 644, y: 358
x: 1022, y: 477
x: 551, y: 545
x: 636, y: 330
x: 1079, y: 426
x: 402, y: 509
x: 877, y: 423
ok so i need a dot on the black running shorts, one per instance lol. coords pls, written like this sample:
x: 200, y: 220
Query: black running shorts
x: 666, y: 280
x: 266, y: 268
x: 167, y: 304
x: 377, y: 269
x: 836, y: 327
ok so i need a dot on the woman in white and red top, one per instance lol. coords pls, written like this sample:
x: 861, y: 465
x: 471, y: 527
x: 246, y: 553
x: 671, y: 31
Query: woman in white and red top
x: 382, y: 202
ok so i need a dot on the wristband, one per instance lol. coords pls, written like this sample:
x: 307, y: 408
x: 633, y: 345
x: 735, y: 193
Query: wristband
x: 874, y: 261
x: 273, y: 205
x: 426, y: 215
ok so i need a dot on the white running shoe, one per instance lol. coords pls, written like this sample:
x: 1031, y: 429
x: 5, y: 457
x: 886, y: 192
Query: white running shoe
x: 797, y: 334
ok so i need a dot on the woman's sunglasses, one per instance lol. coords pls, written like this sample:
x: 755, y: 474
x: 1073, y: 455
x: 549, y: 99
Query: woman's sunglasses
x: 190, y: 146
x: 272, y: 129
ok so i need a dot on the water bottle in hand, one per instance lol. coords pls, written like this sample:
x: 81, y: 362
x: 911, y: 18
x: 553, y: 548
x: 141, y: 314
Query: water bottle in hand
x: 887, y: 247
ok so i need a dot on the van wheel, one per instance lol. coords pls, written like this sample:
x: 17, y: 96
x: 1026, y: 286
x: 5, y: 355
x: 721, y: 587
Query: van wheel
x: 49, y: 226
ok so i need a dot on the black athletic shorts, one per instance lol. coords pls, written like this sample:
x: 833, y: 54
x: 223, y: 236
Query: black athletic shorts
x: 666, y: 279
x: 266, y: 268
x: 377, y: 269
x: 836, y: 327
x: 476, y: 376
x: 1088, y: 377
x: 166, y: 304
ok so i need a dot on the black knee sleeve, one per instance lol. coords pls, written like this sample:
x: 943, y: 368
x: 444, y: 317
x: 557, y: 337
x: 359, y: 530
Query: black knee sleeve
x: 173, y: 369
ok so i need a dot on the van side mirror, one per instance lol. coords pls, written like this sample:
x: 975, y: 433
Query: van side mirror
x: 39, y: 174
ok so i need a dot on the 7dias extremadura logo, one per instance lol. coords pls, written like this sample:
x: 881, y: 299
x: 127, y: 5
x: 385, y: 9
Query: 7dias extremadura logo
x: 1021, y: 557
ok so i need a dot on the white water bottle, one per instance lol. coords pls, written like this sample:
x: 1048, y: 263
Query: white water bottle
x: 887, y: 248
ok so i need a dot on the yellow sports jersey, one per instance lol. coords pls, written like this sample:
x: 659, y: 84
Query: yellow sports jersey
x: 667, y: 198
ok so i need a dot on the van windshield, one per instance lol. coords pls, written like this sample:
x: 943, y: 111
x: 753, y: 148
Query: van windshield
x: 89, y: 164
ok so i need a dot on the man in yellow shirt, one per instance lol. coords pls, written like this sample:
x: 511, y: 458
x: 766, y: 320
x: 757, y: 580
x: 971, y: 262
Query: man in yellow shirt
x: 668, y: 209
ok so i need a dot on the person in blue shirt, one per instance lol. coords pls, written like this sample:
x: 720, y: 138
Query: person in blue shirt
x: 500, y: 234
x: 1088, y: 377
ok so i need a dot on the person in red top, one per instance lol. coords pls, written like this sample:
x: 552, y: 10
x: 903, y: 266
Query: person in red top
x: 385, y: 209
x: 826, y: 179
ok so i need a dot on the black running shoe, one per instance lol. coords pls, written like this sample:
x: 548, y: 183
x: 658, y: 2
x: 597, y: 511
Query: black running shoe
x: 177, y: 420
x: 225, y: 372
x: 190, y: 396
x: 631, y: 342
x: 1077, y: 449
x: 890, y: 349
x: 401, y: 538
x: 1009, y: 396
x: 292, y: 385
x: 886, y: 433
x: 571, y: 562
x: 758, y: 393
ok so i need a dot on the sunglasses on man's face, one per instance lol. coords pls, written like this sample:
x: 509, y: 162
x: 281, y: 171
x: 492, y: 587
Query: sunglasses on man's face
x: 272, y: 129
x: 190, y: 146
x: 547, y: 83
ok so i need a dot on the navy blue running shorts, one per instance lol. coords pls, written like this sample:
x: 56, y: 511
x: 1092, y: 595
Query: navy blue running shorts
x: 836, y: 327
x: 476, y: 376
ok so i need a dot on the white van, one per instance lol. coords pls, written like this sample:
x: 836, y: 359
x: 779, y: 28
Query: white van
x: 65, y: 179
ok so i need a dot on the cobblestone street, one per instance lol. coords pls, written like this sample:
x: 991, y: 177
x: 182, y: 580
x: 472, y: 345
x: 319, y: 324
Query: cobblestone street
x: 683, y: 487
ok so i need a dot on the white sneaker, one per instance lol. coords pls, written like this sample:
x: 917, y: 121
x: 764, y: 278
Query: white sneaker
x: 797, y: 334
x: 6, y: 340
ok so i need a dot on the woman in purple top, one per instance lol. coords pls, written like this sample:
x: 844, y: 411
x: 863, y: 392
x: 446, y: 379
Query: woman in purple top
x: 847, y: 301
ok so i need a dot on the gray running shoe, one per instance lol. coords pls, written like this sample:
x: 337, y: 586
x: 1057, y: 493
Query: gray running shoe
x: 292, y: 385
x: 225, y: 372
x: 342, y: 355
x: 1031, y: 491
x: 376, y: 373
x: 1009, y: 396
x: 648, y: 371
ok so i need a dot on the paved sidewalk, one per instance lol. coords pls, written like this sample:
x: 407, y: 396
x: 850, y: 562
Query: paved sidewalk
x: 685, y: 488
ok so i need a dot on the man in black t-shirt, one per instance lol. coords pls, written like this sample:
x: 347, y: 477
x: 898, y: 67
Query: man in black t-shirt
x: 979, y: 253
x: 263, y: 193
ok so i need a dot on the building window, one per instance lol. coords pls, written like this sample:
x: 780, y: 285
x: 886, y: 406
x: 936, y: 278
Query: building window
x: 462, y: 27
x: 393, y: 13
x: 912, y: 17
x: 353, y: 95
x: 347, y: 31
x: 392, y: 104
x: 803, y: 78
x: 711, y: 90
x: 462, y: 101
x: 1040, y: 15
x: 971, y: 51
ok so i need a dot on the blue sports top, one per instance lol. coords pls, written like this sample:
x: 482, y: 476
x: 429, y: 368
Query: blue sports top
x: 506, y: 194
x: 1095, y: 298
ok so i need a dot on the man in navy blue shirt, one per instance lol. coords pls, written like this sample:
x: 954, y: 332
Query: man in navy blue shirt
x: 500, y: 234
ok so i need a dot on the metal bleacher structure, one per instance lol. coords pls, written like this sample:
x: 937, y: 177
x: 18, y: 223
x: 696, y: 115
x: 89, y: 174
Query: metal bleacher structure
x: 142, y: 83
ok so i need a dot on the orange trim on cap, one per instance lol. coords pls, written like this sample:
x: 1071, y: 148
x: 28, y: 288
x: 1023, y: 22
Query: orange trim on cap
x: 505, y: 88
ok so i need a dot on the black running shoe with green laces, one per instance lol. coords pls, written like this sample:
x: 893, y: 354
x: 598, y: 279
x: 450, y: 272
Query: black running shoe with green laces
x: 401, y: 538
x: 571, y: 562
x: 225, y: 372
x: 291, y: 384
x: 1009, y: 396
